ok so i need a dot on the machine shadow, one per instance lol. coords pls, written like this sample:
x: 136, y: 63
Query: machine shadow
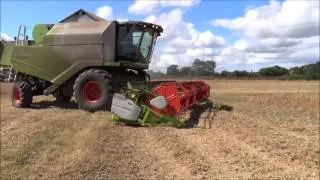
x: 54, y: 104
x: 197, y: 110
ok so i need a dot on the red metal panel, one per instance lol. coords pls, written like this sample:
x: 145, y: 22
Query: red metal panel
x: 180, y: 96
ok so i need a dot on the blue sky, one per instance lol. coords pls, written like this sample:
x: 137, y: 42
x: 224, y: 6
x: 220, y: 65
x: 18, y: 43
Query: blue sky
x: 14, y: 13
x: 230, y: 32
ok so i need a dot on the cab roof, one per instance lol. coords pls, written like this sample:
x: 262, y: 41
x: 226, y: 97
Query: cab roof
x: 85, y: 16
x: 156, y: 27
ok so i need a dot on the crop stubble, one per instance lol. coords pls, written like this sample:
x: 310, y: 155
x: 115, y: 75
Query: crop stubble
x: 273, y: 132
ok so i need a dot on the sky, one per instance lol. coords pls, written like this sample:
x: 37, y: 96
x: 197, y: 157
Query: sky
x: 237, y: 34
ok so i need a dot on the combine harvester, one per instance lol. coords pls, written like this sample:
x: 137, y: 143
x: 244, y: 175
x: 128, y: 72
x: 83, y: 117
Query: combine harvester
x: 102, y: 64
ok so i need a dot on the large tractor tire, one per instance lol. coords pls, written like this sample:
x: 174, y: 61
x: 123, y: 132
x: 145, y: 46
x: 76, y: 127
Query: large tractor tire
x: 92, y: 90
x: 21, y: 95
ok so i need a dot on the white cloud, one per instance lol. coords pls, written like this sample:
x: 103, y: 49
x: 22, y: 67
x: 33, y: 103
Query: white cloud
x: 5, y: 37
x: 195, y: 53
x: 179, y: 3
x: 207, y: 38
x: 169, y: 22
x: 181, y: 42
x: 104, y: 12
x: 246, y: 54
x: 122, y: 19
x: 148, y: 6
x: 173, y: 50
x: 107, y: 13
x: 284, y: 33
x: 167, y: 59
x: 143, y: 7
x: 292, y: 19
x: 241, y: 45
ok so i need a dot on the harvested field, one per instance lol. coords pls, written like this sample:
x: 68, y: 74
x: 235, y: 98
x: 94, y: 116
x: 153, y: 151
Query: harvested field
x: 272, y: 132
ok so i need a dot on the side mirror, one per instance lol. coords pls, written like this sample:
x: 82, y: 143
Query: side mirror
x: 159, y: 102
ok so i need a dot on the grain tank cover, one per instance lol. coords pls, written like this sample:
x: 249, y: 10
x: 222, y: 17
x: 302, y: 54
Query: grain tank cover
x: 81, y: 33
x: 81, y: 16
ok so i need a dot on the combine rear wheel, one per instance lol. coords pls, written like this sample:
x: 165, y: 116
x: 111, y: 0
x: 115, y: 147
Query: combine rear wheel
x: 92, y: 90
x: 21, y: 95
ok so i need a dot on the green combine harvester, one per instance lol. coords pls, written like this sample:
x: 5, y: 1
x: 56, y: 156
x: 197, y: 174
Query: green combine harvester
x: 102, y: 64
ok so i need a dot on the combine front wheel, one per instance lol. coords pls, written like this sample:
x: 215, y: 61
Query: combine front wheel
x: 92, y: 90
x: 21, y: 95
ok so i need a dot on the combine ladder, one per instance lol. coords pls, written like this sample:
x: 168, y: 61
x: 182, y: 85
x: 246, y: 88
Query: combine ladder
x: 20, y: 41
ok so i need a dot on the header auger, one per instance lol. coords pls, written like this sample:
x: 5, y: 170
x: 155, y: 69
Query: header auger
x: 92, y: 59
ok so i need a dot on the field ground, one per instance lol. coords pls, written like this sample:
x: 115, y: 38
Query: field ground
x: 272, y: 132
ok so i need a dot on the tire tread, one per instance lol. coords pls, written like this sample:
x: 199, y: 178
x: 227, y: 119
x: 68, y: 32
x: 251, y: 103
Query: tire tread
x: 83, y: 75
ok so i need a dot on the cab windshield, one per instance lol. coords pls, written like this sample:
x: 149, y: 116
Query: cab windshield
x: 135, y: 43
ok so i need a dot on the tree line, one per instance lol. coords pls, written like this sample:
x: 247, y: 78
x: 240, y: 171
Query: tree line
x: 206, y: 69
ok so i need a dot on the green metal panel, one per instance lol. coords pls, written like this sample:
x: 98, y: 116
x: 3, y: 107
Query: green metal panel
x: 75, y: 33
x: 42, y: 62
x: 55, y: 63
x: 6, y: 48
x: 72, y: 70
x: 149, y: 117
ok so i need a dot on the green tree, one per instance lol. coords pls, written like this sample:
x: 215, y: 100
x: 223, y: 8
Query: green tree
x: 226, y: 73
x: 309, y: 71
x: 156, y: 74
x: 273, y: 71
x: 173, y: 70
x: 203, y: 68
x: 240, y: 73
x: 312, y: 71
x: 297, y: 71
x: 185, y: 71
